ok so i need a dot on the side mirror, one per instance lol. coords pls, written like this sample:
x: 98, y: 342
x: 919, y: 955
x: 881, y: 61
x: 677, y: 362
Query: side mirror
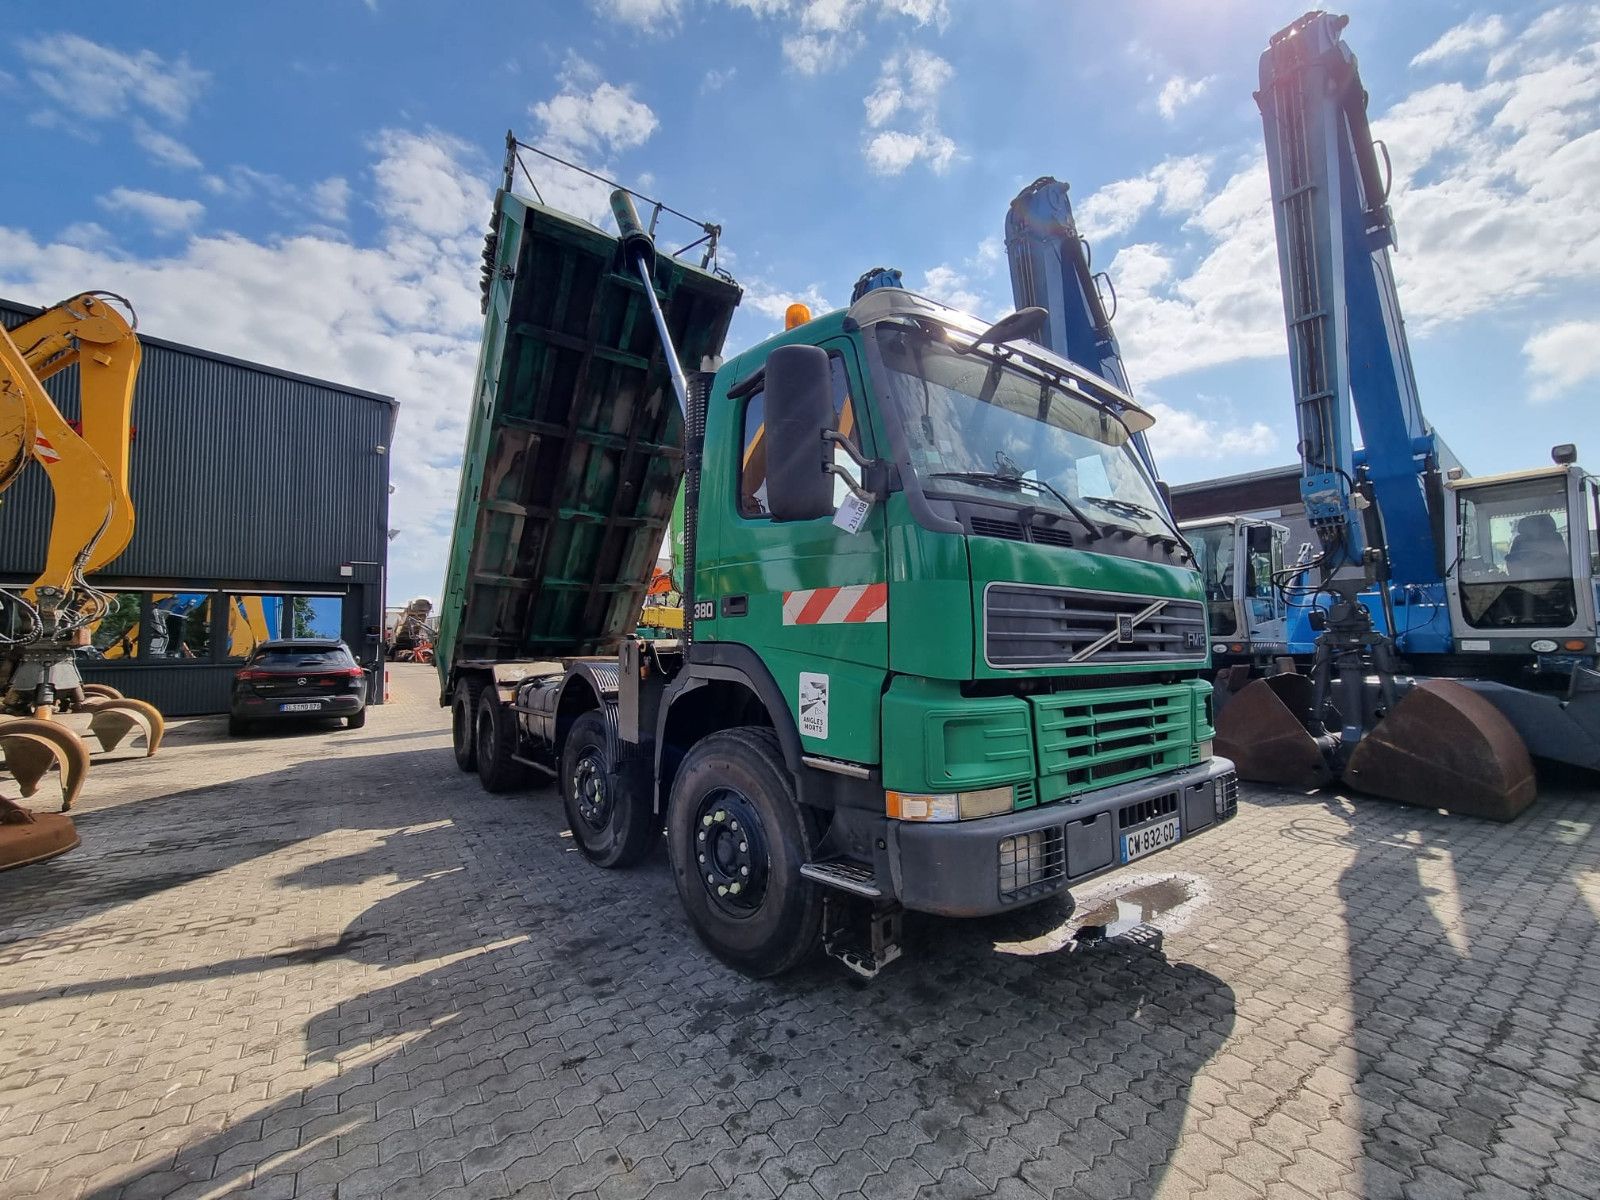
x: 799, y: 410
x: 1164, y: 490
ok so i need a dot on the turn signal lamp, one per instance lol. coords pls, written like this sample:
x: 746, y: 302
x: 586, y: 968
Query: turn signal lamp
x: 949, y: 806
x: 795, y: 315
x: 1575, y: 644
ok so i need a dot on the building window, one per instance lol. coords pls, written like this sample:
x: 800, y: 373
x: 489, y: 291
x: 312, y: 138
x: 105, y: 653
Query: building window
x: 177, y: 627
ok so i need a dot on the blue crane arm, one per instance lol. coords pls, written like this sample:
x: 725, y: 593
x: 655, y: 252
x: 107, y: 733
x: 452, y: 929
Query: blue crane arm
x: 1347, y: 342
x: 1050, y: 268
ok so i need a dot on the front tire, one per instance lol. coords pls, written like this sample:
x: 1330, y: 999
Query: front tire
x: 496, y: 741
x: 738, y: 836
x: 613, y: 820
x: 464, y: 723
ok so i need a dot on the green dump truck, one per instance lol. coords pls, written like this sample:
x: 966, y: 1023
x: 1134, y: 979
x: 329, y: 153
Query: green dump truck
x: 944, y: 650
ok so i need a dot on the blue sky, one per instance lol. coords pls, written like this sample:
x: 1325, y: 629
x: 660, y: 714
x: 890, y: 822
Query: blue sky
x: 307, y: 184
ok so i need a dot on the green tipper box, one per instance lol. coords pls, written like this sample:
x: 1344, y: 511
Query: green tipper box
x: 572, y: 464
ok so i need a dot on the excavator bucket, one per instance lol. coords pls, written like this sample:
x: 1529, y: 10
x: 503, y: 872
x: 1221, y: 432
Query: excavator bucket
x: 110, y: 721
x: 31, y: 747
x: 1262, y: 729
x: 30, y: 837
x: 1444, y: 746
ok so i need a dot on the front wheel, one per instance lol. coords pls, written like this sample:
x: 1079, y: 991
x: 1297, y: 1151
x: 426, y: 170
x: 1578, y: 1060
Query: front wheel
x: 738, y: 837
x: 614, y: 824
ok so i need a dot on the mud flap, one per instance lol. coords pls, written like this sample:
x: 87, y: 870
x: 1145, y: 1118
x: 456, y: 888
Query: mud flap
x: 31, y: 747
x: 1262, y: 729
x: 110, y: 721
x: 1444, y: 746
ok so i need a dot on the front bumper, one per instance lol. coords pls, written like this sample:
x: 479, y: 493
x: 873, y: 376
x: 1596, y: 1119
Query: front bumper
x: 976, y: 868
x: 267, y: 708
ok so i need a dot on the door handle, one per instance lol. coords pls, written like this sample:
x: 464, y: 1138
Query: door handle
x: 735, y: 606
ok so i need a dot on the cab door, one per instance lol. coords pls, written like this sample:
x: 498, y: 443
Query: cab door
x: 809, y: 597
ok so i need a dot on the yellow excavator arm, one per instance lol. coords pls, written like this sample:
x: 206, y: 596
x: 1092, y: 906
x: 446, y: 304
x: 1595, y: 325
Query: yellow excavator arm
x: 92, y: 335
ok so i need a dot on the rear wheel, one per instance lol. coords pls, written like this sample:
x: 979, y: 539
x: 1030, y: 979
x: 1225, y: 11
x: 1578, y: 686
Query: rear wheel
x: 614, y: 824
x: 356, y: 720
x: 496, y: 742
x: 738, y: 837
x: 464, y: 723
x: 238, y: 727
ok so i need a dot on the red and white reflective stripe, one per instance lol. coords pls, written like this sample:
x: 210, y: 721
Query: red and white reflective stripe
x: 859, y: 604
x: 43, y: 450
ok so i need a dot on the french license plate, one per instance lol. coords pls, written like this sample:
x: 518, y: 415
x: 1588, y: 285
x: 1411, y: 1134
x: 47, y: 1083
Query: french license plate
x: 1147, y: 841
x: 307, y: 706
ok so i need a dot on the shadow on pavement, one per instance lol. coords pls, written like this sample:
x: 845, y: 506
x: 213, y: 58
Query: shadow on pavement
x: 547, y: 1021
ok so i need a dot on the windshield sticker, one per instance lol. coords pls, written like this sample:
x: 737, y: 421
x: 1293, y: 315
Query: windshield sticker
x: 814, y: 705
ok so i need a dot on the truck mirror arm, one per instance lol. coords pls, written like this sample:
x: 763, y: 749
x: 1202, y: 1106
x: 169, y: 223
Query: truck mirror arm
x: 873, y: 473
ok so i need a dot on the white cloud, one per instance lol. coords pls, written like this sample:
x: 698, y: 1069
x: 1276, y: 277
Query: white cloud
x: 97, y: 82
x: 164, y: 148
x: 649, y: 15
x: 398, y: 316
x: 1179, y: 92
x: 825, y: 34
x: 330, y: 199
x: 1173, y: 186
x: 717, y: 79
x: 1562, y: 357
x: 1493, y: 195
x: 1183, y: 434
x: 164, y: 214
x: 591, y: 114
x: 774, y: 302
x: 908, y: 94
x: 1480, y: 33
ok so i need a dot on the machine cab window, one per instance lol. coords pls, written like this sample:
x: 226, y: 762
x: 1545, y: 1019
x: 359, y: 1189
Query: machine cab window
x: 1515, y: 554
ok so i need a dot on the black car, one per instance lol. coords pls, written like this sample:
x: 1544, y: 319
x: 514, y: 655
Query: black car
x: 298, y: 677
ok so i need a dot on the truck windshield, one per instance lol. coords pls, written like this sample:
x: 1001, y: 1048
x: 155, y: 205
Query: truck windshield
x: 1515, y: 560
x: 979, y: 427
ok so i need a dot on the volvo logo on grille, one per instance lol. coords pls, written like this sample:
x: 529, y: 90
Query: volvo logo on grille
x: 1122, y: 633
x: 1124, y: 629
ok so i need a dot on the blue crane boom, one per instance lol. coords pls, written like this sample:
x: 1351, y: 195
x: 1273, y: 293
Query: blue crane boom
x: 1050, y: 269
x: 1347, y: 342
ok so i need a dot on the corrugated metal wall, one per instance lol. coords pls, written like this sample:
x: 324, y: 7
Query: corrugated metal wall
x: 243, y: 476
x: 238, y: 473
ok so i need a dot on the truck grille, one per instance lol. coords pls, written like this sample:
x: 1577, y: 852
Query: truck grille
x: 1130, y: 815
x: 1029, y: 626
x: 1111, y: 735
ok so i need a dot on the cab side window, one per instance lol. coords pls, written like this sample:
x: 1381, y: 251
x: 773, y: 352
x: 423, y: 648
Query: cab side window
x: 753, y: 453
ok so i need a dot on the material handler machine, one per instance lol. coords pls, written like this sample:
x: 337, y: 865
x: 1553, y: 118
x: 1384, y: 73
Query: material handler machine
x: 87, y: 464
x: 1450, y: 621
x: 920, y: 668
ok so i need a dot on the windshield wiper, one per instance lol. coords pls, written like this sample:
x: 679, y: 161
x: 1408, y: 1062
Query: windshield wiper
x: 1129, y: 508
x: 1019, y: 482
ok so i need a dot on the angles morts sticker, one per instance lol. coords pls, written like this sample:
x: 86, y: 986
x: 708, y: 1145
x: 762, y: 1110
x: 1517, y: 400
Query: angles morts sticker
x: 813, y: 705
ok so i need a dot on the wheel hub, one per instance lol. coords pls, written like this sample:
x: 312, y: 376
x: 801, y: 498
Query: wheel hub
x: 589, y: 791
x: 731, y: 852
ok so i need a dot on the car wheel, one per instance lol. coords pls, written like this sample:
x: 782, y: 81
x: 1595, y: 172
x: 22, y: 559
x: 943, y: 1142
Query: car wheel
x: 356, y: 720
x: 496, y: 741
x: 238, y: 726
x: 464, y: 723
x: 738, y: 836
x: 613, y: 820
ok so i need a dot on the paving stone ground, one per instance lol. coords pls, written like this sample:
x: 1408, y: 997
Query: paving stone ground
x: 325, y: 964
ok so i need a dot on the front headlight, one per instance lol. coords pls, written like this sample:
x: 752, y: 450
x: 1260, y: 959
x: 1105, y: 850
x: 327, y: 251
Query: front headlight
x: 949, y: 806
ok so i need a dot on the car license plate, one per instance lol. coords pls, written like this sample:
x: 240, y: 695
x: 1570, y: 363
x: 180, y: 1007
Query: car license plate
x: 1147, y: 841
x: 308, y: 706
